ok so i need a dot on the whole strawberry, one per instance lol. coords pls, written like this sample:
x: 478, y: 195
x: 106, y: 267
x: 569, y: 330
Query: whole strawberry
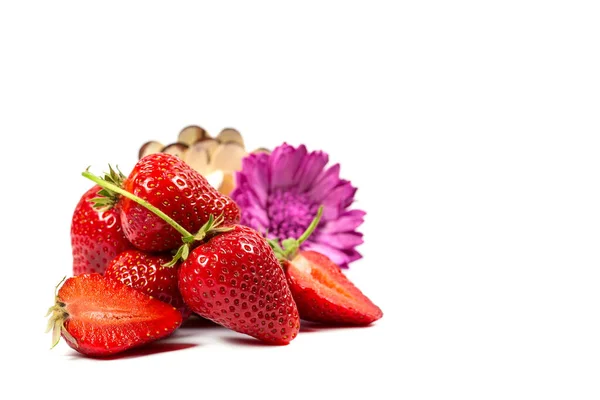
x: 98, y: 316
x: 96, y: 235
x: 146, y: 272
x: 235, y: 280
x: 180, y: 192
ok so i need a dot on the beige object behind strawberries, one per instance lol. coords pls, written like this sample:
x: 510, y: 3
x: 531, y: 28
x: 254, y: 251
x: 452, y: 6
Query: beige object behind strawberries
x: 216, y: 158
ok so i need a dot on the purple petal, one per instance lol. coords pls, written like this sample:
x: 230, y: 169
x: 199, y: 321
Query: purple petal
x: 240, y: 195
x: 352, y: 255
x: 284, y: 164
x: 312, y: 166
x: 253, y: 213
x: 254, y: 216
x: 325, y: 182
x: 257, y: 213
x: 347, y: 222
x: 257, y: 224
x: 254, y: 177
x: 250, y: 192
x: 336, y: 255
x: 337, y: 200
x: 342, y: 241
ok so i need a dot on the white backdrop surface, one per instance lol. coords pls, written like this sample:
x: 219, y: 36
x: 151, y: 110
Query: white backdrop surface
x: 470, y: 129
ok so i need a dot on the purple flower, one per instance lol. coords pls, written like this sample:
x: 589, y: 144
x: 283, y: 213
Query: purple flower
x: 280, y: 193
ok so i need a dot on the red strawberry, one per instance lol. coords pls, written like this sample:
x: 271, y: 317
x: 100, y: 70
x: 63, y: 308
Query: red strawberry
x: 235, y: 280
x: 321, y: 291
x: 168, y: 183
x: 96, y: 236
x: 98, y: 316
x: 145, y: 272
x: 232, y: 277
x: 324, y: 294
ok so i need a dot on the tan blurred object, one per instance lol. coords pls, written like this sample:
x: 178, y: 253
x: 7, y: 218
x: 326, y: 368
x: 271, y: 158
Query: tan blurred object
x: 228, y: 183
x: 216, y: 158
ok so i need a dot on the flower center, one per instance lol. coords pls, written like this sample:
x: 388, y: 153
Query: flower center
x: 289, y: 214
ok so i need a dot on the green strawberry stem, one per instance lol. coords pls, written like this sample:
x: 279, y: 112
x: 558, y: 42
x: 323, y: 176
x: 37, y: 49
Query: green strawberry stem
x: 110, y: 186
x: 212, y: 225
x: 290, y: 246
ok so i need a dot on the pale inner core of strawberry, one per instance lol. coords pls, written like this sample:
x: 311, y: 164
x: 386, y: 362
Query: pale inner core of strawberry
x: 319, y: 279
x: 81, y: 310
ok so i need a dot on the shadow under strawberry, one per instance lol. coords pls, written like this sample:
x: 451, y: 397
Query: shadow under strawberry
x: 149, y: 349
x: 310, y: 326
x: 197, y: 322
x: 244, y: 341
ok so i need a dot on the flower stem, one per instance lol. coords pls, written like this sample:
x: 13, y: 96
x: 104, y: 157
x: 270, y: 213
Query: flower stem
x: 311, y: 228
x: 107, y: 185
x: 287, y: 249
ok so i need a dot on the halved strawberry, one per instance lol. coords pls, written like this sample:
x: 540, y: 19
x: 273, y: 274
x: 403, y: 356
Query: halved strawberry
x: 320, y: 289
x: 98, y: 316
x: 324, y: 294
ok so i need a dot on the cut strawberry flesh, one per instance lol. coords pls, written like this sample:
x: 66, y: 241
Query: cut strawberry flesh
x: 315, y: 272
x: 105, y: 316
x: 324, y: 294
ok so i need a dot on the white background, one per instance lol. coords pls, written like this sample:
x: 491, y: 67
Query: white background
x: 470, y: 129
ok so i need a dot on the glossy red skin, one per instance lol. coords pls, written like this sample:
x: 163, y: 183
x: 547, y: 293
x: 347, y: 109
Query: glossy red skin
x: 145, y: 272
x: 96, y: 236
x: 169, y: 184
x: 107, y: 317
x: 317, y: 284
x: 235, y: 280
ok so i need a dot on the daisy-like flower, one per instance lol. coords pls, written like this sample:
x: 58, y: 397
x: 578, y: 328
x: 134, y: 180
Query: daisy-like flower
x: 279, y: 194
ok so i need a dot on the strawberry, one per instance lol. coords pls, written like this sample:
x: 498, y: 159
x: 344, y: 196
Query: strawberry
x: 234, y: 279
x: 179, y: 191
x: 320, y: 289
x: 96, y: 235
x: 98, y: 316
x: 324, y: 294
x: 145, y: 272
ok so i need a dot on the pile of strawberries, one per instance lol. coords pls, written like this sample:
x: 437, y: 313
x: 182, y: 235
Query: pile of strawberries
x: 153, y: 247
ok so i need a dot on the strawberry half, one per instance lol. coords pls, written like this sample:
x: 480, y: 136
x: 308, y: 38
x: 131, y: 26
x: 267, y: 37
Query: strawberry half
x: 146, y: 272
x: 98, y: 316
x: 324, y: 294
x: 96, y: 235
x: 321, y: 290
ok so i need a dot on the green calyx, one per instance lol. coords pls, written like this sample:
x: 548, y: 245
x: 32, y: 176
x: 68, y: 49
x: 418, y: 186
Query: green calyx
x: 290, y: 246
x: 107, y: 198
x: 211, y: 226
x: 58, y: 315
